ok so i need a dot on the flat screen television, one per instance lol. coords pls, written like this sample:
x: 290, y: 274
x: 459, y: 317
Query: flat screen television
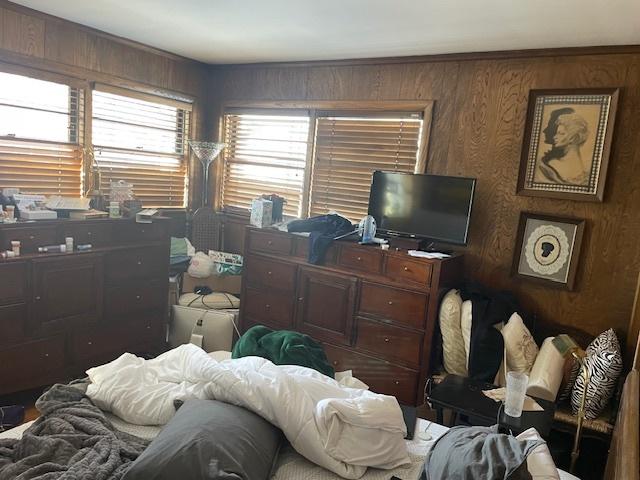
x: 430, y: 207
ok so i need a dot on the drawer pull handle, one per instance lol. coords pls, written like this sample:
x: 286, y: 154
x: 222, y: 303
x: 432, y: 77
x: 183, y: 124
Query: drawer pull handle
x: 300, y: 299
x: 390, y: 302
x: 89, y: 234
x: 386, y: 339
x: 31, y: 237
x: 269, y: 272
x: 37, y: 298
x: 270, y: 242
x: 148, y: 327
x: 397, y: 382
x: 139, y: 262
x: 267, y: 306
x: 359, y: 259
x: 143, y: 230
x: 406, y: 269
x: 46, y: 355
x: 89, y: 343
x: 138, y: 297
x: 335, y: 362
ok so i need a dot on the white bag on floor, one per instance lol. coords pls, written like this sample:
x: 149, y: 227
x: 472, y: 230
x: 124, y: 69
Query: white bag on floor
x: 201, y: 266
x: 214, y: 333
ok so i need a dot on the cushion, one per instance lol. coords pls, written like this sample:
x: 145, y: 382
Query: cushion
x: 453, y: 350
x: 604, y: 363
x: 465, y: 325
x: 546, y: 374
x: 569, y: 375
x: 213, y: 301
x: 520, y: 347
x: 207, y: 439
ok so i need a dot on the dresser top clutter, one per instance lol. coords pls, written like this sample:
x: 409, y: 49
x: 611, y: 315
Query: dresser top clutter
x: 374, y: 310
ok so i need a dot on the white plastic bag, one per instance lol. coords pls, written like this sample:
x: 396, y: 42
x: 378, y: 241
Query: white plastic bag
x: 201, y: 266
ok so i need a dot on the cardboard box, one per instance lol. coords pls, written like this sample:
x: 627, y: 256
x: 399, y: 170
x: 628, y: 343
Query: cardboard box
x: 224, y: 283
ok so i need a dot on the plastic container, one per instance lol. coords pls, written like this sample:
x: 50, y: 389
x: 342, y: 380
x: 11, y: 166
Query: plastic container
x: 516, y: 390
x: 68, y: 241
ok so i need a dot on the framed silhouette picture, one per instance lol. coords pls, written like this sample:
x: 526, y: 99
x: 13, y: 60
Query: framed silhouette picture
x: 567, y: 141
x: 547, y: 249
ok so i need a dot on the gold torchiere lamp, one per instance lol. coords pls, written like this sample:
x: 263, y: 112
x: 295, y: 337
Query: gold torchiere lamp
x: 567, y: 346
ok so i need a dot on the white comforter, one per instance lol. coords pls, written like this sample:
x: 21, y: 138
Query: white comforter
x: 342, y: 429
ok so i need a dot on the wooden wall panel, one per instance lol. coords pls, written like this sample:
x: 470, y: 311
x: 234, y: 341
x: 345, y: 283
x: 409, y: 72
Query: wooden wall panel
x: 477, y: 130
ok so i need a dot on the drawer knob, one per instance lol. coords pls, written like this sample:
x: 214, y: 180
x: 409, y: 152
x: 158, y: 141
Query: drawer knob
x: 386, y: 339
x: 148, y: 327
x: 89, y: 234
x: 267, y: 306
x: 143, y: 230
x: 406, y: 269
x: 269, y: 272
x: 300, y: 299
x: 31, y: 237
x: 138, y: 297
x: 37, y: 298
x: 46, y: 355
x: 390, y: 302
x: 89, y: 343
x: 397, y: 382
x: 139, y: 262
x: 270, y: 242
x: 359, y: 259
x: 335, y: 362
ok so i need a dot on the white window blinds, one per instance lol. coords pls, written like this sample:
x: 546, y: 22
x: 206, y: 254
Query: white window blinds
x: 40, y: 132
x: 143, y: 142
x: 349, y: 149
x: 265, y: 154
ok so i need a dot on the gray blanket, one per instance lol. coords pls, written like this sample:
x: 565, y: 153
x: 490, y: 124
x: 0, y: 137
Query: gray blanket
x: 71, y: 440
x: 471, y: 453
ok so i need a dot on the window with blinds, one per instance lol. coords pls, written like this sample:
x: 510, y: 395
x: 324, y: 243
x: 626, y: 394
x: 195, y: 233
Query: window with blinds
x: 349, y: 149
x: 143, y: 142
x: 40, y: 125
x: 265, y: 154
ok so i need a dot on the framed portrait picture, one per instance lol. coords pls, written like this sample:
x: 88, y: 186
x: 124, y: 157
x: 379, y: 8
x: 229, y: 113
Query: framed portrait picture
x: 547, y: 249
x: 567, y: 141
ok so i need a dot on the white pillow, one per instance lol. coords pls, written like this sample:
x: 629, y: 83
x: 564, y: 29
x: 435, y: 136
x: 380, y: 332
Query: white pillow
x: 520, y: 347
x: 453, y: 350
x: 465, y: 325
x: 546, y: 375
x: 539, y: 461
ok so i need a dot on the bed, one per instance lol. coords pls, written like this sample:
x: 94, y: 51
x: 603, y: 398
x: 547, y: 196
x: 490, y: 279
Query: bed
x: 293, y: 466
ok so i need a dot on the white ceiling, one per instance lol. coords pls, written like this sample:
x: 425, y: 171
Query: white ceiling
x: 246, y: 31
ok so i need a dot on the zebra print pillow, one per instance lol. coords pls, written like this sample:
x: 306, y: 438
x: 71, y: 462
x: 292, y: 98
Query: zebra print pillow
x: 604, y: 362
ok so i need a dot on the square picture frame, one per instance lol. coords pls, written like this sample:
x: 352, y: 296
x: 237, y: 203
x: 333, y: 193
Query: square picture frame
x: 547, y: 249
x: 567, y: 143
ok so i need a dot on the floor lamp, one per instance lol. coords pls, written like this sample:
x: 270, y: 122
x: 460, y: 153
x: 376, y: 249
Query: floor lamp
x: 567, y: 346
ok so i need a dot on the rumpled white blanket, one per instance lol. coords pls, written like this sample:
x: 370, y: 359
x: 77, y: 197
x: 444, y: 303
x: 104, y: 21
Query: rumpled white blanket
x: 342, y: 429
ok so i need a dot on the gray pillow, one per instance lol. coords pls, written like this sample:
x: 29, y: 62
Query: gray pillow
x: 208, y: 439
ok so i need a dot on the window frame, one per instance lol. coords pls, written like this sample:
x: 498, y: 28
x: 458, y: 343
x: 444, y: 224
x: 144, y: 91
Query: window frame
x: 161, y: 97
x: 316, y: 109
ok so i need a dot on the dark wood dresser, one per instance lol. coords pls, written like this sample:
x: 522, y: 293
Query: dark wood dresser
x: 374, y: 311
x: 61, y: 313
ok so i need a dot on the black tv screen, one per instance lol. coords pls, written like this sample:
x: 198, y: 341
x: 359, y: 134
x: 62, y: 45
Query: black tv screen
x: 432, y: 207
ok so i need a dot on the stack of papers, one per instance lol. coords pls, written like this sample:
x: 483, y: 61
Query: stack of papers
x: 420, y: 253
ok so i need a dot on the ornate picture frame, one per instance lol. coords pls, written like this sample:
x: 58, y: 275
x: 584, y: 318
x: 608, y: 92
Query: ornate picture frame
x: 547, y: 249
x: 567, y: 143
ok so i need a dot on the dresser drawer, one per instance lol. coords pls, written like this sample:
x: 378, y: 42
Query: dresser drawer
x: 389, y: 342
x: 134, y: 298
x: 401, y: 269
x: 271, y: 242
x: 262, y: 272
x: 130, y: 231
x: 381, y: 376
x: 136, y: 264
x: 31, y: 362
x: 401, y: 306
x: 268, y: 307
x: 301, y: 250
x: 361, y: 259
x: 13, y: 282
x: 12, y: 322
x: 96, y: 233
x: 31, y: 238
x: 109, y: 341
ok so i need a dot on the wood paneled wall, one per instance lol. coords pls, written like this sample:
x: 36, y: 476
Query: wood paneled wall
x: 36, y: 40
x: 477, y: 130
